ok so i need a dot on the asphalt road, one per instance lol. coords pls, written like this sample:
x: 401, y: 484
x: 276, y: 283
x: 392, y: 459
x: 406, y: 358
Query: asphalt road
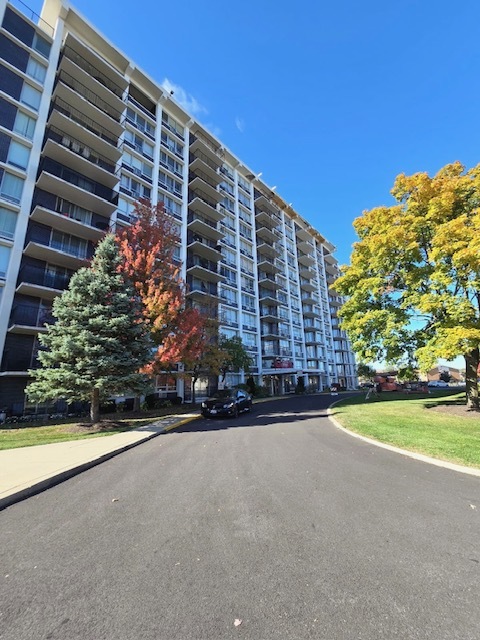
x: 278, y: 520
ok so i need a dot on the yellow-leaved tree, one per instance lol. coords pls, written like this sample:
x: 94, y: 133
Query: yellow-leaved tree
x: 413, y: 285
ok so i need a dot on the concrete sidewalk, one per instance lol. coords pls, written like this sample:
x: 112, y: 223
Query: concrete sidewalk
x: 29, y: 470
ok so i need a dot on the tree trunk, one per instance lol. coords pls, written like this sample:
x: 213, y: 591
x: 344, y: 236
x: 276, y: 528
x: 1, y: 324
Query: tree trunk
x: 95, y: 406
x: 136, y: 404
x: 471, y: 378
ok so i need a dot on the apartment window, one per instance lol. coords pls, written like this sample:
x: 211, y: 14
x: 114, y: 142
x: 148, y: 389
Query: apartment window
x: 229, y: 222
x: 295, y: 317
x: 171, y: 206
x: 169, y: 183
x: 249, y: 340
x: 139, y: 144
x: 173, y: 125
x: 172, y: 144
x: 139, y: 122
x: 18, y: 154
x: 4, y: 258
x: 8, y: 220
x: 41, y: 45
x: 244, y: 200
x: 229, y: 333
x: 245, y: 231
x: 229, y: 257
x: 137, y: 166
x: 69, y: 244
x: 246, y: 248
x: 246, y: 265
x: 249, y: 321
x: 228, y: 203
x: 30, y: 96
x: 36, y: 70
x: 229, y: 296
x: 243, y: 184
x: 11, y: 187
x: 226, y: 186
x: 247, y: 283
x: 229, y: 275
x: 229, y: 239
x: 248, y: 302
x: 229, y: 316
x: 24, y: 125
x: 134, y: 188
x: 169, y: 163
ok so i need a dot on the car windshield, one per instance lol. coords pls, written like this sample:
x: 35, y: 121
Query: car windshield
x: 224, y: 393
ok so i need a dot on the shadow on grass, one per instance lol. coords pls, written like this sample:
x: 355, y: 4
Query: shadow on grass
x: 432, y: 399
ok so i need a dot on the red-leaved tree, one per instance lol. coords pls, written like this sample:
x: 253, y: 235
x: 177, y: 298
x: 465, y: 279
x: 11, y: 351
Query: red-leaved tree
x: 147, y: 248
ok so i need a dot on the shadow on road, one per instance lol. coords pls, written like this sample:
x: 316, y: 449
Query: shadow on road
x: 286, y: 410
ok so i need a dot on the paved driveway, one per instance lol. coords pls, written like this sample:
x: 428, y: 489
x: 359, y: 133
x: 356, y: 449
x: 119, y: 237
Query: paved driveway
x: 278, y: 520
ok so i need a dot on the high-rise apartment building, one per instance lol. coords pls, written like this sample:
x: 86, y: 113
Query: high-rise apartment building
x: 84, y: 133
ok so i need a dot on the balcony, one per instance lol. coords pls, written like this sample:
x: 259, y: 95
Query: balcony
x: 199, y: 267
x: 307, y: 285
x: 266, y: 247
x: 306, y: 259
x: 204, y: 226
x: 38, y: 282
x: 267, y: 264
x: 262, y: 203
x: 202, y: 291
x: 271, y: 331
x: 201, y: 164
x: 28, y: 319
x: 72, y: 186
x: 75, y: 124
x: 304, y: 236
x: 77, y: 155
x: 65, y: 254
x: 266, y: 234
x: 268, y: 297
x: 67, y: 223
x: 199, y: 202
x: 72, y: 90
x: 203, y: 247
x: 199, y: 144
x: 267, y: 281
x: 200, y: 184
x: 96, y: 69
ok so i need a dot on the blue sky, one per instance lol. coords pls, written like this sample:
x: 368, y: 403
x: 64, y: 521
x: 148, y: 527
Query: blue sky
x: 330, y: 101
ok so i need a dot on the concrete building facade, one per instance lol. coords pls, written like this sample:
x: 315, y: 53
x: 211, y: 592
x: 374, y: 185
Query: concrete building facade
x: 84, y: 133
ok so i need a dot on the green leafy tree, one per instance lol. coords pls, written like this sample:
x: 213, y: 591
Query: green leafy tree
x: 99, y: 340
x: 233, y: 355
x: 445, y: 376
x: 413, y: 285
x: 365, y: 371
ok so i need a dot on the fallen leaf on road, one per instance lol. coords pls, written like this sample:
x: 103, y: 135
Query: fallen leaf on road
x: 237, y: 622
x: 114, y: 499
x: 472, y: 506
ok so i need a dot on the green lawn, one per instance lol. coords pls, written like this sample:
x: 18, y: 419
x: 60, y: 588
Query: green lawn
x: 412, y: 422
x: 15, y: 436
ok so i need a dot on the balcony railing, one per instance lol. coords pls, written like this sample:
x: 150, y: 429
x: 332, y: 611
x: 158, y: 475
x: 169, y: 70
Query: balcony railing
x: 77, y: 179
x: 89, y: 68
x: 89, y: 95
x: 31, y: 316
x: 80, y: 149
x: 77, y: 116
x: 42, y: 278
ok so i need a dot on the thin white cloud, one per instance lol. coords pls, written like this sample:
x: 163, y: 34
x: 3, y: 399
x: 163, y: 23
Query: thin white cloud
x: 240, y: 124
x: 184, y: 99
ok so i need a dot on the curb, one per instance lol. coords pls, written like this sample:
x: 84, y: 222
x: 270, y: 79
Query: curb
x: 43, y: 485
x: 411, y: 454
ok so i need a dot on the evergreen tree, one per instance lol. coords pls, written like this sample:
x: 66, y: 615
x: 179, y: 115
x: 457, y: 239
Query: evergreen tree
x: 99, y: 340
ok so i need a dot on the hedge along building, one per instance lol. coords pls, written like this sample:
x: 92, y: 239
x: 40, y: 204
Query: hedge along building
x: 84, y: 133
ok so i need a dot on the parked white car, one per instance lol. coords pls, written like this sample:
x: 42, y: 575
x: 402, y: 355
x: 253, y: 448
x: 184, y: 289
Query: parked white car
x: 438, y: 383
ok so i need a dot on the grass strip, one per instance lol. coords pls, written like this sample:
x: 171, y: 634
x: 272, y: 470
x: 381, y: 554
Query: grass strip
x: 436, y: 425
